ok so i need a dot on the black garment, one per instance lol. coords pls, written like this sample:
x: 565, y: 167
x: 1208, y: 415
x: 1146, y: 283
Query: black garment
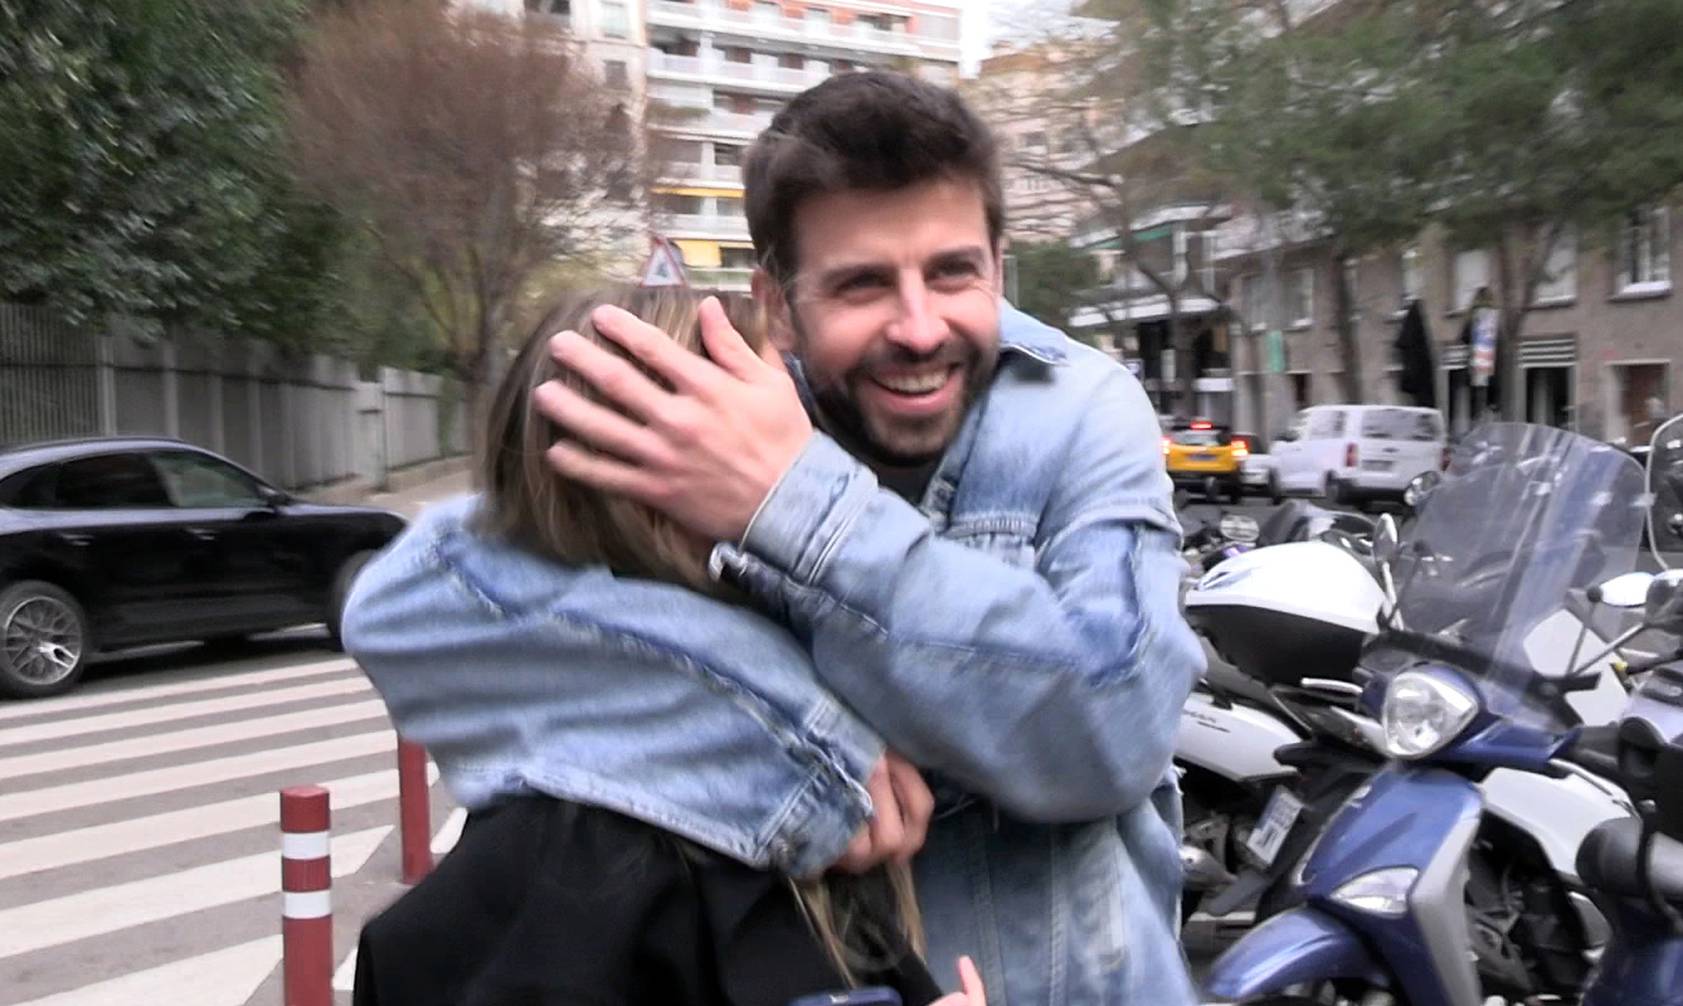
x: 1414, y: 355
x: 545, y: 902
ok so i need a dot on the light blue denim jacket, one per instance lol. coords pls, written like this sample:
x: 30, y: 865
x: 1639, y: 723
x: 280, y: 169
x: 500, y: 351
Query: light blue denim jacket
x: 1017, y: 636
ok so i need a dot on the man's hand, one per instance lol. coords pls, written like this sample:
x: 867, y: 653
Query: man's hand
x: 901, y: 806
x: 706, y: 453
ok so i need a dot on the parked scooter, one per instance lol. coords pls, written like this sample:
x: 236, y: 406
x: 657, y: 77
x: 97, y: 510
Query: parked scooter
x: 1525, y: 516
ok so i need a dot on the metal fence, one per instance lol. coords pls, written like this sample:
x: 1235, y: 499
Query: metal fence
x: 298, y: 419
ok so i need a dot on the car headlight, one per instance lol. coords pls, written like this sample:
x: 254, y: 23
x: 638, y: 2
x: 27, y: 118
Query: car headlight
x: 1424, y: 711
x: 1239, y: 527
x: 1382, y: 892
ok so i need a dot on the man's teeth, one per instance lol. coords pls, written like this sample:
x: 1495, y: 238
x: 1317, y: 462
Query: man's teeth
x: 914, y: 384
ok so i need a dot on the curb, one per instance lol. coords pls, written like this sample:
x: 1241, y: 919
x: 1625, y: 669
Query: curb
x: 359, y: 490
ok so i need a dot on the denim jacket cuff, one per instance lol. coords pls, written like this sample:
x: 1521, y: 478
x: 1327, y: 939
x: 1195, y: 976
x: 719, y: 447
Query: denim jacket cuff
x: 823, y: 816
x: 810, y: 509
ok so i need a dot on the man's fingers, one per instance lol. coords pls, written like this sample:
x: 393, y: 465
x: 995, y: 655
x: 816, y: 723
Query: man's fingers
x: 970, y: 978
x: 857, y: 858
x: 888, y: 831
x: 655, y: 349
x: 917, y: 805
x: 725, y: 344
x: 600, y: 427
x: 604, y: 473
x: 613, y: 377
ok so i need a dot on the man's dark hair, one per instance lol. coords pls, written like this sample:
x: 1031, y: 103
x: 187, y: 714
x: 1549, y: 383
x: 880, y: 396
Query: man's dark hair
x: 872, y: 131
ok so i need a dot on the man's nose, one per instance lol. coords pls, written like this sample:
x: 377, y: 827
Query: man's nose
x: 918, y: 327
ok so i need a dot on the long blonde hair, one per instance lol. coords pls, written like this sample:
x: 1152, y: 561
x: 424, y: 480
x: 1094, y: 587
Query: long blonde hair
x: 527, y: 502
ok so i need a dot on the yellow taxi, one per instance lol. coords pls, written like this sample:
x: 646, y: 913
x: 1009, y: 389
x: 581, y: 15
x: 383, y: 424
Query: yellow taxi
x: 1201, y: 455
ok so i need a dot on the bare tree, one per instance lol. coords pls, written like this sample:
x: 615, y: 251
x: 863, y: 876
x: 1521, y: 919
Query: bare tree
x: 477, y: 150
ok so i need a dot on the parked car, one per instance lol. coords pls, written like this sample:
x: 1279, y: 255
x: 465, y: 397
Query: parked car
x: 113, y: 543
x: 1358, y: 453
x: 1257, y: 475
x: 1204, y: 456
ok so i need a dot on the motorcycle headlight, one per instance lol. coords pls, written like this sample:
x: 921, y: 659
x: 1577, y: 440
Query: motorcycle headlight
x: 1423, y: 712
x: 1382, y: 892
x: 1240, y: 527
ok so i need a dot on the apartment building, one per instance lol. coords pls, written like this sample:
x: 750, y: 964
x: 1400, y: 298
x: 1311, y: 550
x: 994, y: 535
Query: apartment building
x: 717, y: 71
x: 1599, y: 351
x: 1013, y: 93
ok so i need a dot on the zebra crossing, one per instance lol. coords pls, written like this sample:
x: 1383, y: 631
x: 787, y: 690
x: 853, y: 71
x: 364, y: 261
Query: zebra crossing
x: 139, y: 850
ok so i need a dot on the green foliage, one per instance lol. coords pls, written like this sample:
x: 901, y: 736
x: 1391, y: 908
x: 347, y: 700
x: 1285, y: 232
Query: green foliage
x: 1051, y: 280
x: 141, y: 167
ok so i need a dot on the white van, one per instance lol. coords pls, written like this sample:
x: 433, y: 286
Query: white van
x: 1354, y: 453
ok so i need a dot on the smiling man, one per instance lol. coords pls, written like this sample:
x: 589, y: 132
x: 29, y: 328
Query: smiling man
x: 961, y: 514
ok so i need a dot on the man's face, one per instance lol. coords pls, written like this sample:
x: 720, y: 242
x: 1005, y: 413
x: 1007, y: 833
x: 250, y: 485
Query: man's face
x: 894, y: 314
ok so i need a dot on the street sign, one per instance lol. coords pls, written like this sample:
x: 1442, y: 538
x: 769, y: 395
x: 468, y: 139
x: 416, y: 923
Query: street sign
x: 1276, y: 351
x: 665, y: 266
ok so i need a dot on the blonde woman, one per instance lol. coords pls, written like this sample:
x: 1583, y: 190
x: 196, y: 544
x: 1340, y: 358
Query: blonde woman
x: 656, y: 832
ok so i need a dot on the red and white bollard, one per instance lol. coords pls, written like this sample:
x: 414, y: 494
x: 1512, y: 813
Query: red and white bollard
x: 306, y: 898
x: 414, y: 811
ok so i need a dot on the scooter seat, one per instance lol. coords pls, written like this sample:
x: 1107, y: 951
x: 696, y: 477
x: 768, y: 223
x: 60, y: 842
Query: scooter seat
x: 1608, y: 862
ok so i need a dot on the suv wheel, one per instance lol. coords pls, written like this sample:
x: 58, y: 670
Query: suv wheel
x: 341, y: 593
x: 44, y: 640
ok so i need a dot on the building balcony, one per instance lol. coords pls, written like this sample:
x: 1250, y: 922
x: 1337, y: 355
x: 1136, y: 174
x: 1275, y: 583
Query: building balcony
x: 758, y: 25
x: 713, y: 69
x: 689, y: 119
x: 703, y: 227
x: 730, y: 174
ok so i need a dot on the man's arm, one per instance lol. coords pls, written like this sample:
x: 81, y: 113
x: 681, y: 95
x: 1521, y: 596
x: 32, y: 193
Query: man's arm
x: 1055, y: 690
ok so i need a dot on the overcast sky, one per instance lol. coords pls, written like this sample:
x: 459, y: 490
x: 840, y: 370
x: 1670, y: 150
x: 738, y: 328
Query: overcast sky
x: 989, y: 22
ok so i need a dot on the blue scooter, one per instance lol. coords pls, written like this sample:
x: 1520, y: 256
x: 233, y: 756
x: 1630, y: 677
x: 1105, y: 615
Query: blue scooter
x: 1523, y: 516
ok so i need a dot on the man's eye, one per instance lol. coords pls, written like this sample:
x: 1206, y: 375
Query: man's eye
x: 951, y: 272
x: 856, y: 284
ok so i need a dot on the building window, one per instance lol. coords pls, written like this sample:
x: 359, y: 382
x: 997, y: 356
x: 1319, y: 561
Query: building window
x: 615, y: 22
x: 614, y: 74
x: 1412, y: 287
x: 1034, y: 142
x: 1250, y: 303
x: 1472, y: 273
x: 554, y: 8
x: 729, y: 207
x: 1645, y: 252
x: 1353, y: 289
x: 727, y: 155
x: 1300, y: 298
x: 1559, y: 282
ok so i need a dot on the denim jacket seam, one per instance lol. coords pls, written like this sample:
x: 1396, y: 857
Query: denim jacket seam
x: 587, y: 787
x: 844, y: 523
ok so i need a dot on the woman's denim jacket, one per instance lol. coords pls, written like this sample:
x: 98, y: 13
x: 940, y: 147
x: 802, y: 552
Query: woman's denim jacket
x: 1017, y: 636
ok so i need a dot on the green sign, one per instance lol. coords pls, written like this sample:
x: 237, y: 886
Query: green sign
x: 1275, y: 351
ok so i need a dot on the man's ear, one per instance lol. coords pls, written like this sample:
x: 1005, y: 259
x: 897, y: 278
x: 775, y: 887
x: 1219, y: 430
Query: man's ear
x: 775, y: 303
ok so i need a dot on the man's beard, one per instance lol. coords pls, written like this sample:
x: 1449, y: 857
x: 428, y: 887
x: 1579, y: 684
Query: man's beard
x: 897, y: 442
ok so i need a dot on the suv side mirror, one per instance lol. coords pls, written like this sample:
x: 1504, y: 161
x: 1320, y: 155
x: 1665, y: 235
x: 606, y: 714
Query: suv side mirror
x: 272, y: 496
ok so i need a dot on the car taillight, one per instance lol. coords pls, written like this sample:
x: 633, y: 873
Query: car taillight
x: 1350, y: 456
x: 1443, y: 466
x: 1165, y: 446
x: 1240, y: 450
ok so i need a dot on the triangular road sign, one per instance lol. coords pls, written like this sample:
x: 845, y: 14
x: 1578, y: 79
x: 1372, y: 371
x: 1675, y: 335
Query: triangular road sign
x: 665, y: 266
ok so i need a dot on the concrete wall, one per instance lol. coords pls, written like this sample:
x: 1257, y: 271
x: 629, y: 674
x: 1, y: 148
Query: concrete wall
x: 299, y: 420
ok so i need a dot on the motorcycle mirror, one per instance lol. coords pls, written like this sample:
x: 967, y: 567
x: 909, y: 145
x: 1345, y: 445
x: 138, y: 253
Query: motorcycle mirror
x: 1240, y: 528
x: 1420, y: 487
x: 1627, y: 591
x: 1665, y: 491
x: 1664, y: 603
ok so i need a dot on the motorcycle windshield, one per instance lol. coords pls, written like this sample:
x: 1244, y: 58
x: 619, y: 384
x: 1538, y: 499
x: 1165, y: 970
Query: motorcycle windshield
x: 1665, y: 483
x: 1525, y: 515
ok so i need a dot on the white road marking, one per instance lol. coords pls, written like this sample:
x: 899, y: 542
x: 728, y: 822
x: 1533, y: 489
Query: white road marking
x: 451, y: 833
x: 227, y: 977
x: 84, y: 845
x: 344, y: 979
x: 95, y: 697
x: 60, y: 759
x: 165, y: 780
x: 103, y: 910
x: 152, y: 715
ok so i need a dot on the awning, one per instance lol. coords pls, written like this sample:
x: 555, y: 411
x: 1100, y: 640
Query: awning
x: 1135, y: 309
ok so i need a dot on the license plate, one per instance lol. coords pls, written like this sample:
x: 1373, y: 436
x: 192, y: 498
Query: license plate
x: 1376, y: 466
x: 1203, y: 457
x: 1271, y: 831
